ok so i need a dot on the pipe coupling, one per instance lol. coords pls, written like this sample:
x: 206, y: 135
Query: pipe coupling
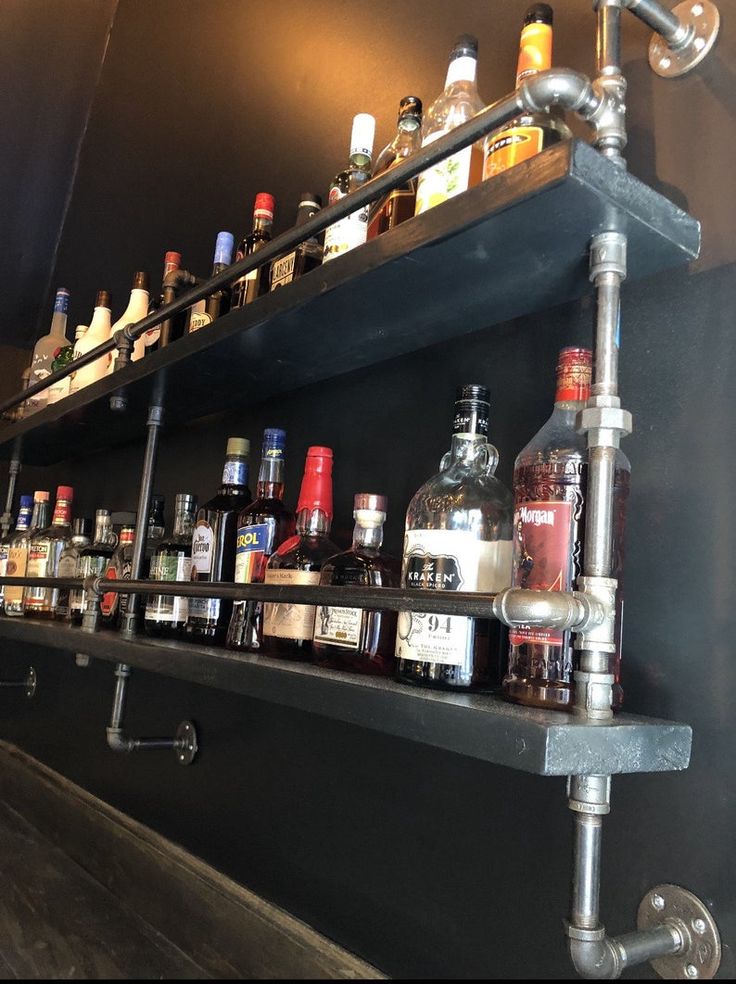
x: 601, y: 635
x: 605, y: 423
x: 609, y: 118
x: 589, y: 794
x: 608, y: 254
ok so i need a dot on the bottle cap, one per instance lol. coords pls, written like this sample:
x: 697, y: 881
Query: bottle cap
x: 82, y: 526
x: 79, y: 331
x: 224, y: 248
x: 539, y: 13
x: 472, y: 410
x: 264, y: 206
x: 309, y: 198
x: 274, y: 442
x: 127, y: 534
x: 26, y: 502
x: 316, y: 490
x: 103, y: 298
x: 172, y: 261
x: 65, y: 492
x: 574, y: 374
x: 140, y: 280
x: 99, y: 513
x: 41, y: 496
x: 185, y: 500
x: 466, y: 46
x: 362, y: 135
x: 410, y: 108
x: 237, y: 445
x: 369, y: 500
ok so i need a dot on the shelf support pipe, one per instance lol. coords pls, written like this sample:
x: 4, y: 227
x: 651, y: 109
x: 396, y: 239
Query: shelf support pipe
x: 6, y: 520
x: 610, y: 138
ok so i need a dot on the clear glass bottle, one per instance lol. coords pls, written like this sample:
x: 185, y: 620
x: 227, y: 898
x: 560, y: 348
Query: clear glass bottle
x: 46, y: 348
x: 68, y: 561
x: 136, y: 310
x: 307, y: 255
x: 262, y: 528
x: 288, y: 628
x: 351, y: 231
x: 97, y: 333
x: 94, y: 560
x: 23, y: 522
x: 211, y: 308
x: 458, y: 538
x: 213, y: 544
x: 62, y: 358
x: 17, y: 562
x: 44, y: 553
x: 112, y: 605
x: 398, y: 205
x: 458, y: 103
x: 530, y: 133
x: 550, y: 478
x: 251, y: 285
x: 166, y: 615
x: 361, y: 640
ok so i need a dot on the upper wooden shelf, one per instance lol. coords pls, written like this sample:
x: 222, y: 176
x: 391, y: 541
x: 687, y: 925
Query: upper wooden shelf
x: 503, y: 249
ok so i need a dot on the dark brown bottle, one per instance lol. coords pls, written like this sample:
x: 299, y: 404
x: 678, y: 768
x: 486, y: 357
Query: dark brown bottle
x: 399, y: 204
x: 307, y: 255
x: 250, y: 286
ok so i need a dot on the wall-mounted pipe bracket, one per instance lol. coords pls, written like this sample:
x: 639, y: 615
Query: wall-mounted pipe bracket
x: 700, y: 955
x: 683, y: 36
x: 28, y: 684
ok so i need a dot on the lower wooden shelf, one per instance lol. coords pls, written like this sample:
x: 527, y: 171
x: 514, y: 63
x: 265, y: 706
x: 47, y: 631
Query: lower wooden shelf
x: 481, y: 726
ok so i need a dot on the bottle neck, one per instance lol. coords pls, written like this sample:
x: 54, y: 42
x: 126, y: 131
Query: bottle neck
x: 58, y: 325
x: 313, y: 522
x: 40, y: 517
x: 235, y: 473
x: 100, y: 320
x: 24, y: 520
x: 183, y: 523
x: 103, y: 528
x: 262, y: 225
x: 62, y: 513
x: 462, y: 69
x: 368, y: 536
x: 271, y: 479
x: 535, y: 51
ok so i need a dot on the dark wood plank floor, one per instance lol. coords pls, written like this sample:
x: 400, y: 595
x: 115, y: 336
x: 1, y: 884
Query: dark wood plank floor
x: 58, y: 922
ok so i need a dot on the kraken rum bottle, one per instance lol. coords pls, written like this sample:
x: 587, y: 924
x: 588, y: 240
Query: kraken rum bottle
x: 550, y: 477
x: 458, y: 538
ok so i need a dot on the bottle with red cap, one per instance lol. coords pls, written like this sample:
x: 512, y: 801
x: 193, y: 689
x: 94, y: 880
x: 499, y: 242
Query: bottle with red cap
x: 255, y: 283
x: 550, y: 478
x: 172, y: 262
x: 288, y: 628
x: 44, y: 554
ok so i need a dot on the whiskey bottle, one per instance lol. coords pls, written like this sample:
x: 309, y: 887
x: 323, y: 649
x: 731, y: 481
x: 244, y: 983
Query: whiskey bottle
x: 307, y: 255
x: 458, y: 103
x: 288, y: 628
x: 44, y: 553
x: 136, y: 310
x: 45, y: 350
x: 218, y: 303
x: 528, y: 134
x: 458, y: 538
x: 113, y: 605
x: 22, y: 524
x: 17, y: 561
x: 361, y: 640
x: 213, y: 544
x: 166, y: 615
x: 97, y: 333
x: 262, y: 527
x: 94, y: 559
x: 250, y: 286
x: 550, y: 477
x: 352, y: 231
x: 151, y: 338
x: 68, y: 561
x: 399, y: 204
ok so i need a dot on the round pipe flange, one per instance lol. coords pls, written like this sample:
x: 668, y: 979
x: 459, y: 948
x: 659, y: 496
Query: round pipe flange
x: 701, y: 955
x: 185, y: 743
x: 31, y: 683
x: 702, y: 22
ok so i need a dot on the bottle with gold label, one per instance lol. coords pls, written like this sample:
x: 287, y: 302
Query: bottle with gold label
x: 528, y: 134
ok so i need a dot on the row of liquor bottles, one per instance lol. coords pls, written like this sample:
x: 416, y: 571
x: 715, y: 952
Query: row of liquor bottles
x: 464, y: 531
x: 518, y: 140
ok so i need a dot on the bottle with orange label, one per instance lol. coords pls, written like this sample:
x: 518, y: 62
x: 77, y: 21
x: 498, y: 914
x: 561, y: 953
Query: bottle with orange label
x: 527, y: 135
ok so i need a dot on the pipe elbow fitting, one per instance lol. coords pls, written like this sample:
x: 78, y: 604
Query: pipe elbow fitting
x: 116, y: 742
x: 560, y: 87
x: 594, y: 959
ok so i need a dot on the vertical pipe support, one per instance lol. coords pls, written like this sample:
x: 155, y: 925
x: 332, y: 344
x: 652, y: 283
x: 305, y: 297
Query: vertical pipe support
x: 610, y: 85
x: 6, y: 520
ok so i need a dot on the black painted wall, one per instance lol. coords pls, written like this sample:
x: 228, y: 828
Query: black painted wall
x: 420, y: 861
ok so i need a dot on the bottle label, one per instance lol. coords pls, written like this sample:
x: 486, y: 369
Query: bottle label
x: 169, y: 608
x: 58, y: 390
x: 543, y: 542
x: 109, y: 600
x: 253, y: 547
x: 90, y: 564
x: 15, y: 567
x: 61, y: 303
x: 535, y: 51
x: 67, y: 568
x: 348, y: 233
x: 125, y: 575
x: 445, y: 180
x: 4, y: 550
x: 338, y: 626
x: 199, y: 319
x: 510, y: 147
x: 461, y: 69
x: 447, y: 560
x: 38, y: 559
x: 282, y: 271
x: 235, y: 473
x: 151, y: 336
x: 286, y: 620
x: 203, y: 541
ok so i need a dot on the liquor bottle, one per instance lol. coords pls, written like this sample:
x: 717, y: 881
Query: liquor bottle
x: 528, y: 134
x: 166, y: 615
x: 398, y: 204
x: 288, y: 628
x: 352, y: 231
x: 213, y: 544
x: 44, y: 553
x: 68, y: 561
x: 457, y: 104
x: 17, y: 562
x: 307, y: 255
x: 172, y: 262
x: 362, y: 640
x: 112, y: 605
x: 218, y: 303
x: 155, y: 531
x: 458, y: 538
x: 550, y: 477
x: 262, y: 527
x: 250, y: 286
x: 97, y: 333
x: 136, y: 311
x: 22, y: 524
x: 62, y: 358
x: 45, y: 349
x: 94, y: 560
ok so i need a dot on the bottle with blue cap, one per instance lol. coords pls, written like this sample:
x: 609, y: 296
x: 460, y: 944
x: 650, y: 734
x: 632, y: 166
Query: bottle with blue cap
x: 206, y: 311
x: 262, y: 527
x: 45, y: 349
x: 21, y: 526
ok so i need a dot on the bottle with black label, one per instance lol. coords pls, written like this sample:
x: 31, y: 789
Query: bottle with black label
x: 458, y: 538
x: 213, y: 544
x: 307, y: 255
x: 94, y: 560
x: 251, y: 285
x: 166, y: 615
x: 398, y: 204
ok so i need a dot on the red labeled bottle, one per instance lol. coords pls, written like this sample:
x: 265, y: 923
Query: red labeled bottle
x: 112, y: 605
x: 287, y: 628
x: 550, y: 478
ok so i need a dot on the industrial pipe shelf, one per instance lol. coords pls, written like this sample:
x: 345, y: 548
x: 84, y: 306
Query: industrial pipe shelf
x: 501, y: 250
x: 481, y: 726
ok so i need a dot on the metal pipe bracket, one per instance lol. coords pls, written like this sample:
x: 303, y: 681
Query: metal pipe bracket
x: 700, y: 23
x: 699, y: 956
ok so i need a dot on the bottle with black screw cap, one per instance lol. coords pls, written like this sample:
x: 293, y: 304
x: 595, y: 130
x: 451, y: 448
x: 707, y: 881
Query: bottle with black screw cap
x: 458, y: 538
x: 307, y: 255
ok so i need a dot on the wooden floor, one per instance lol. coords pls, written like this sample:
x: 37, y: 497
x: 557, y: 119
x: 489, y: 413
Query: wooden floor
x: 56, y: 921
